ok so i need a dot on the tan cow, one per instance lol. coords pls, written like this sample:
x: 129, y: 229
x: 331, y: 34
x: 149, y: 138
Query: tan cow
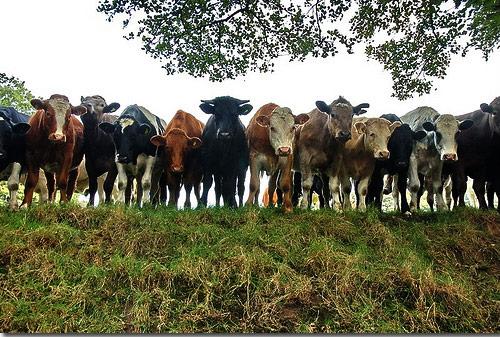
x: 367, y: 145
x: 320, y: 146
x: 271, y: 140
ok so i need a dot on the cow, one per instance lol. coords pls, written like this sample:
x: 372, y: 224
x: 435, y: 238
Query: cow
x: 54, y: 143
x: 429, y: 153
x: 271, y: 140
x: 180, y: 157
x: 98, y: 147
x: 368, y: 143
x: 478, y: 149
x: 135, y: 154
x: 320, y: 144
x: 400, y: 147
x: 224, y: 149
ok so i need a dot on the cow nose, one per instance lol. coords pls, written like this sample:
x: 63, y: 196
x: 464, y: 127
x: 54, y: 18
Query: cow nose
x: 224, y: 135
x: 344, y: 136
x: 57, y: 138
x: 383, y: 155
x: 284, y: 151
x: 177, y: 168
x: 450, y: 157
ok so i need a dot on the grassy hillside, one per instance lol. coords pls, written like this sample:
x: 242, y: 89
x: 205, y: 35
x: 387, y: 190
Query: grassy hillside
x: 71, y: 269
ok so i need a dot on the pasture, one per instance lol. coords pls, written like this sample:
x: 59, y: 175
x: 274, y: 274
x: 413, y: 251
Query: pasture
x: 66, y: 268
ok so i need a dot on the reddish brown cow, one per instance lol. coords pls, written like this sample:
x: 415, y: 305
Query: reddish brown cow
x: 181, y: 158
x: 54, y: 143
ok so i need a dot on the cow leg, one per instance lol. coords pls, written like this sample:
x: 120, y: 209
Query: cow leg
x: 362, y: 190
x: 437, y: 188
x: 241, y: 187
x: 271, y: 187
x: 109, y: 184
x: 324, y: 194
x: 188, y: 186
x: 297, y: 188
x: 146, y: 179
x: 490, y: 194
x: 93, y: 185
x: 448, y: 192
x: 100, y: 186
x: 254, y: 181
x: 129, y: 189
x: 51, y: 185
x: 123, y: 184
x: 217, y: 189
x: 307, y: 182
x: 375, y: 187
x: 398, y: 191
x: 13, y: 184
x: 285, y: 183
x: 479, y: 189
x: 346, y: 190
x: 41, y: 188
x: 388, y: 183
x: 414, y: 184
x: 29, y: 187
x: 229, y: 190
x: 71, y: 184
x: 173, y: 183
x: 207, y: 183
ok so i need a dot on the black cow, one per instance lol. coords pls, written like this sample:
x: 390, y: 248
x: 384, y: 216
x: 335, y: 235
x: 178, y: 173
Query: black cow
x: 98, y: 146
x: 400, y: 146
x: 478, y: 154
x: 136, y: 156
x: 13, y: 127
x: 224, y: 150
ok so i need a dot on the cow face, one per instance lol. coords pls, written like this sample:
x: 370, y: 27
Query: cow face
x: 494, y: 109
x: 226, y: 111
x: 177, y: 145
x: 281, y: 127
x: 96, y: 107
x: 57, y: 113
x: 376, y: 133
x: 401, y: 144
x: 340, y: 114
x: 127, y: 134
x: 445, y: 130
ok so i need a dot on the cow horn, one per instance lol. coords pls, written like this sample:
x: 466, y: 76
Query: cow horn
x: 242, y: 101
x: 209, y: 101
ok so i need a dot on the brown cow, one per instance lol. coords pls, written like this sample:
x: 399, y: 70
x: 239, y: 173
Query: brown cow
x: 320, y: 144
x: 181, y: 157
x: 54, y: 143
x: 271, y: 140
x: 367, y: 145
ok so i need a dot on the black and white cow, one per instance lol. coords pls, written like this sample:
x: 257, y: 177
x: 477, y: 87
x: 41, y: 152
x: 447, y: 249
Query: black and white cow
x: 136, y: 155
x: 13, y: 127
x: 225, y: 149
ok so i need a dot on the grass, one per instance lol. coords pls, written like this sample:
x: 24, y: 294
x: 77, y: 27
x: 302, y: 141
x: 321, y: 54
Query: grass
x: 110, y: 269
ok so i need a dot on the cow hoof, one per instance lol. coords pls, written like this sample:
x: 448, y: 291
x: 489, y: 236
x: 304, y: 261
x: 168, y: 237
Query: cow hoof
x: 407, y: 213
x: 24, y: 206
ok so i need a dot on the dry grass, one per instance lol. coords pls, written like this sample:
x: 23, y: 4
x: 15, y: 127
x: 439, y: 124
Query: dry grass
x: 109, y: 269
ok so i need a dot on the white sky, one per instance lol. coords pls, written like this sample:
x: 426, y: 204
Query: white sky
x: 67, y: 47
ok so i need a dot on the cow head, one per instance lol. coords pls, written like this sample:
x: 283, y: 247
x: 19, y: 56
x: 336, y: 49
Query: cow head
x: 376, y: 133
x: 7, y: 131
x: 445, y: 129
x: 177, y: 145
x: 96, y: 108
x: 494, y: 109
x: 57, y: 113
x: 401, y: 144
x: 281, y: 126
x: 127, y: 135
x: 340, y: 113
x: 226, y: 111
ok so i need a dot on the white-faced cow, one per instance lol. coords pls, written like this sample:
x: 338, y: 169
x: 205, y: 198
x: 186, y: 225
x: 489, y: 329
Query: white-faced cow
x: 320, y: 146
x: 224, y: 147
x: 432, y: 151
x: 98, y: 146
x: 136, y: 156
x: 368, y: 143
x: 54, y: 143
x: 271, y: 140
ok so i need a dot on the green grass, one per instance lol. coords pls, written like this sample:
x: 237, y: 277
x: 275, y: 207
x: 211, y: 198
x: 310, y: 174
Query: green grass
x: 109, y: 269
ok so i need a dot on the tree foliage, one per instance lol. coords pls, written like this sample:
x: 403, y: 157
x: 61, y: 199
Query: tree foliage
x: 413, y: 39
x: 13, y: 93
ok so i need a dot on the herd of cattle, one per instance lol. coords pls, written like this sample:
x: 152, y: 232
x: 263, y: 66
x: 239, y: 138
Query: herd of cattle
x: 327, y: 150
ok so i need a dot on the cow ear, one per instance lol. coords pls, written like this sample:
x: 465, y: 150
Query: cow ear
x: 301, y: 119
x: 419, y: 135
x: 82, y: 99
x: 158, y: 140
x: 144, y: 128
x: 360, y: 109
x: 207, y: 108
x: 394, y: 125
x: 37, y: 104
x: 486, y: 108
x: 429, y: 126
x: 323, y: 107
x: 21, y: 128
x: 111, y: 108
x: 360, y: 127
x: 78, y: 110
x: 194, y: 142
x: 465, y: 124
x: 107, y: 127
x: 244, y: 109
x: 263, y: 121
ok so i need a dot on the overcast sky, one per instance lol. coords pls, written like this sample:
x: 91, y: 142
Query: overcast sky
x: 67, y: 47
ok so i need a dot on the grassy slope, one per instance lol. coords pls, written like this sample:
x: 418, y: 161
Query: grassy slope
x: 111, y: 270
